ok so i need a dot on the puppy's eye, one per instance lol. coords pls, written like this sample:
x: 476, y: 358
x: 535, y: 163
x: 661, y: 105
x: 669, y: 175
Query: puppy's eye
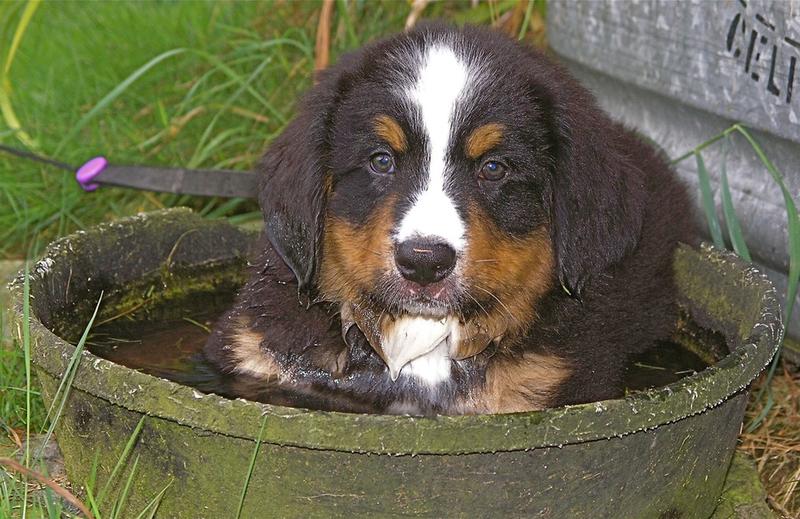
x: 382, y: 163
x: 492, y: 170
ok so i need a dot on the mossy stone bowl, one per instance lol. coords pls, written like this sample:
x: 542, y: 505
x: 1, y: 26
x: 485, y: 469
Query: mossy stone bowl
x: 656, y: 453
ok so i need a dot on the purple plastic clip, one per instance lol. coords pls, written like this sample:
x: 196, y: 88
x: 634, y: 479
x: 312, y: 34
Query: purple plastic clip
x: 89, y: 171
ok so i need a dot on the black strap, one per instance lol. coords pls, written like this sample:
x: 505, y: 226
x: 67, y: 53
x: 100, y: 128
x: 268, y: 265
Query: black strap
x: 199, y: 182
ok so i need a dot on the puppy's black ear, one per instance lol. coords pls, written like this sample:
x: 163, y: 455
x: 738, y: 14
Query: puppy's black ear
x: 598, y: 192
x: 292, y: 196
x: 294, y: 178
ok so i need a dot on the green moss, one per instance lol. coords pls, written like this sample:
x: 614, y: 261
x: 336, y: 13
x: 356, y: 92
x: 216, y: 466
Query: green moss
x: 743, y: 496
x: 181, y: 292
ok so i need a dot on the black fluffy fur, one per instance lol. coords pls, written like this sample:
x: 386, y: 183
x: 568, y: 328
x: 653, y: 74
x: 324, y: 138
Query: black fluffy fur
x: 614, y: 209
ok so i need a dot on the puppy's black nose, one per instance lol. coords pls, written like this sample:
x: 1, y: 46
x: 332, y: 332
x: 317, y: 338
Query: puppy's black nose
x: 424, y: 261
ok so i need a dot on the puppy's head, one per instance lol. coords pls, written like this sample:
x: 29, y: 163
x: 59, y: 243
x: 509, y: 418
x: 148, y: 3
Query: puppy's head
x: 447, y: 176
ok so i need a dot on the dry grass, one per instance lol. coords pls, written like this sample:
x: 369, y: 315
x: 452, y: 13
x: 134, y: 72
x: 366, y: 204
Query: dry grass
x: 775, y: 445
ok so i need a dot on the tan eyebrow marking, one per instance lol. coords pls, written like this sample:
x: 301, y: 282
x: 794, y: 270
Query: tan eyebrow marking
x: 484, y: 138
x: 389, y: 129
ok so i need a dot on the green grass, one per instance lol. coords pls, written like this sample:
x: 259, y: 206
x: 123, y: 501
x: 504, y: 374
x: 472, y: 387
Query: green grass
x: 13, y: 393
x: 75, y: 54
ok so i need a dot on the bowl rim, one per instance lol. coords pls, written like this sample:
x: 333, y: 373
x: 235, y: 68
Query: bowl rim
x: 403, y: 434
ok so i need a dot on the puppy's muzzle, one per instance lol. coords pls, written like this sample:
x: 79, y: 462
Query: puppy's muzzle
x: 424, y: 261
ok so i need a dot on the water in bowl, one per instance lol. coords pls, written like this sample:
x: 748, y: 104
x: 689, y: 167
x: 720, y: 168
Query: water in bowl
x: 174, y: 350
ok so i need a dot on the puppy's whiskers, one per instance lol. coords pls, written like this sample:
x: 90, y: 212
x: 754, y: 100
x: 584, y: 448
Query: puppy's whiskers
x: 502, y: 304
x: 477, y: 303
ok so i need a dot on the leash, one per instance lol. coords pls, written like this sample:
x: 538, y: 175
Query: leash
x: 198, y: 182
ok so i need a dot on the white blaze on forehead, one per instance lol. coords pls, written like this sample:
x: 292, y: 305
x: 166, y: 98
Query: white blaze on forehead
x: 441, y: 80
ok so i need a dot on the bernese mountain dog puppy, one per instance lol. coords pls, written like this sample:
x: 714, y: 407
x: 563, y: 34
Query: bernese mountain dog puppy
x: 467, y: 231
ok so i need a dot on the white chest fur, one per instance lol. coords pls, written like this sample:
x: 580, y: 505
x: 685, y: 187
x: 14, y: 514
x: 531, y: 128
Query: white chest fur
x: 432, y: 368
x: 418, y: 347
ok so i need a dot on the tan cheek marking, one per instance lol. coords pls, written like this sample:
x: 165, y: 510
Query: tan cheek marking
x: 516, y: 385
x: 354, y: 257
x: 251, y: 358
x: 388, y: 129
x: 483, y: 139
x: 510, y: 275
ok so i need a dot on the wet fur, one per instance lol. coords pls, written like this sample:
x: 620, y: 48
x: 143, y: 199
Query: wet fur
x: 577, y: 282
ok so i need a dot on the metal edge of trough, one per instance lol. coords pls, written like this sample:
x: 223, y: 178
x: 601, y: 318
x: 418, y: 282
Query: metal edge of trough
x: 409, y: 435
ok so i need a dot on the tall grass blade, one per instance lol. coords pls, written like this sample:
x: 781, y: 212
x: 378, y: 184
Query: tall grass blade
x: 768, y: 405
x: 794, y: 237
x: 6, y: 108
x: 251, y: 467
x: 527, y: 20
x: 232, y: 74
x: 250, y: 216
x: 121, y: 461
x: 64, y: 388
x: 203, y: 150
x: 220, y: 210
x: 793, y: 222
x: 52, y: 504
x: 90, y: 486
x: 794, y: 268
x: 5, y: 496
x: 731, y: 221
x: 152, y: 506
x: 26, y: 346
x: 703, y: 145
x: 202, y: 154
x: 119, y: 505
x: 111, y: 96
x: 343, y: 9
x: 22, y: 26
x: 482, y: 13
x: 707, y: 199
